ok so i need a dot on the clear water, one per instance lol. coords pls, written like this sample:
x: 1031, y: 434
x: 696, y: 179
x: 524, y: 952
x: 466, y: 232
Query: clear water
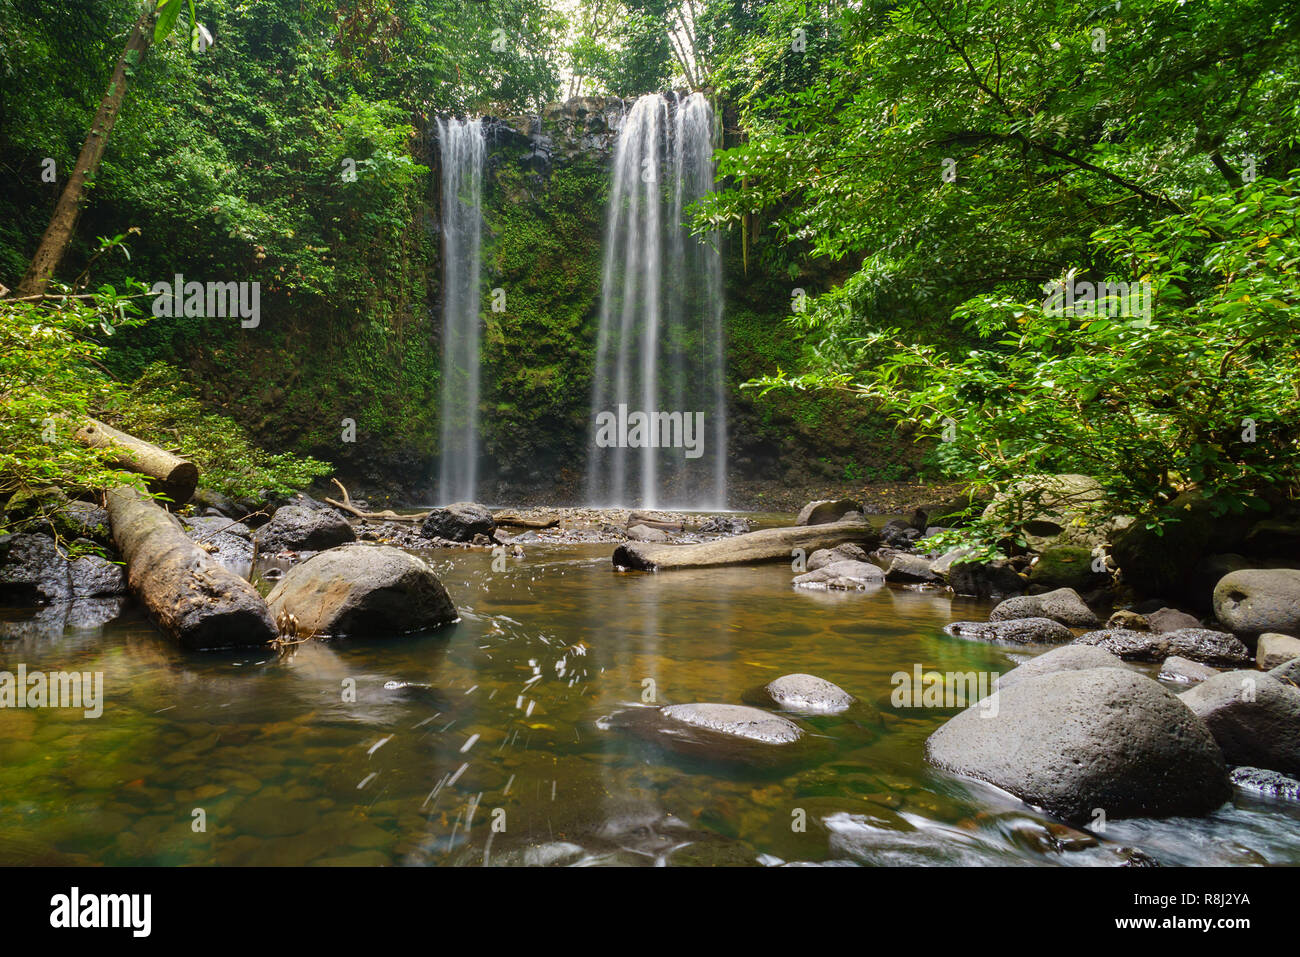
x: 494, y: 722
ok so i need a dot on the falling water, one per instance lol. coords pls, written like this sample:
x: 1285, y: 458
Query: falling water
x: 463, y: 152
x: 660, y: 344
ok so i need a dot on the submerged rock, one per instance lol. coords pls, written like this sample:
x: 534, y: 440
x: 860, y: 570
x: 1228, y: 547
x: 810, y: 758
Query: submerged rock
x: 1253, y: 601
x: 1065, y: 658
x: 458, y: 522
x: 362, y: 591
x: 1020, y: 631
x: 1063, y: 605
x: 1075, y: 741
x: 717, y: 733
x: 1253, y: 716
x: 1266, y: 783
x: 736, y: 720
x: 846, y: 575
x: 298, y: 528
x: 806, y: 693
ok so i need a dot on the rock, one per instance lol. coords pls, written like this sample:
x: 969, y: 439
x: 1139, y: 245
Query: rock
x: 1266, y: 783
x: 1065, y: 658
x: 827, y: 556
x: 207, y: 498
x: 1186, y: 671
x: 717, y: 733
x: 992, y: 581
x: 898, y: 533
x: 842, y: 575
x: 458, y: 522
x: 1254, y: 717
x: 644, y: 533
x: 942, y: 565
x: 1063, y: 605
x: 1273, y: 538
x: 1170, y: 619
x: 1257, y: 600
x: 1020, y: 631
x: 85, y: 520
x: 96, y: 577
x: 1287, y: 672
x: 299, y: 528
x: 736, y: 721
x: 230, y: 543
x: 363, y: 591
x: 910, y: 570
x: 33, y: 570
x: 1199, y: 644
x: 1067, y: 566
x: 826, y: 511
x: 807, y: 693
x: 1274, y: 649
x: 1075, y: 741
x: 725, y: 525
x: 1056, y: 510
x: 1126, y: 620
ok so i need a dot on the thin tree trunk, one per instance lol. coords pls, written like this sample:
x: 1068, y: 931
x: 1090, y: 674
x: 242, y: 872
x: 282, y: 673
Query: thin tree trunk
x: 59, y: 232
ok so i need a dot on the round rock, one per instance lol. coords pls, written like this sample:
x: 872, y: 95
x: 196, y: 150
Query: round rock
x: 1063, y: 605
x: 1018, y: 631
x: 1254, y: 717
x: 801, y: 692
x: 736, y: 720
x: 1065, y: 658
x: 1256, y: 600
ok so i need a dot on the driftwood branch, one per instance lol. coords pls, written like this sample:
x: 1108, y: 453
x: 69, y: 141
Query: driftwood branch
x: 387, y: 515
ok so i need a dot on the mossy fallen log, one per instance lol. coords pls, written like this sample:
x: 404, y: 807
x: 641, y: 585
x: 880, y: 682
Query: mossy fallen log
x: 171, y: 475
x: 751, y: 548
x: 195, y: 601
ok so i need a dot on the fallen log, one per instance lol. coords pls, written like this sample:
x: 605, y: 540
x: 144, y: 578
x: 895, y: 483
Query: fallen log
x: 196, y: 601
x: 172, y: 476
x: 641, y: 518
x: 751, y: 548
x: 511, y: 520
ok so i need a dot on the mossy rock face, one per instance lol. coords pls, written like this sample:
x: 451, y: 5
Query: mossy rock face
x: 1065, y: 566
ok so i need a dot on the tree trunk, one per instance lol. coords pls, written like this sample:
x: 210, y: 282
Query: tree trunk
x: 59, y: 232
x: 196, y: 601
x: 752, y: 548
x: 173, y: 476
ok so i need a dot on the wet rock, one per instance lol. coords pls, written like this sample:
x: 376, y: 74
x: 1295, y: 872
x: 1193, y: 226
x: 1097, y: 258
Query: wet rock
x: 33, y: 570
x: 230, y: 543
x: 807, y: 693
x: 363, y: 591
x: 1074, y: 741
x: 735, y: 721
x: 1199, y: 644
x: 1273, y: 649
x: 1019, y: 631
x: 96, y: 577
x: 842, y: 575
x: 899, y: 533
x: 827, y: 556
x: 1253, y: 601
x: 299, y: 528
x: 1266, y: 783
x: 1065, y: 658
x: 644, y: 533
x: 1186, y: 671
x: 825, y: 511
x: 1063, y: 605
x: 1171, y: 619
x: 458, y: 522
x: 1254, y: 717
x: 1288, y: 671
x: 1068, y: 566
x: 992, y: 581
x: 717, y: 733
x: 1126, y: 620
x: 1064, y: 509
x: 911, y: 570
x: 942, y: 566
x: 724, y: 525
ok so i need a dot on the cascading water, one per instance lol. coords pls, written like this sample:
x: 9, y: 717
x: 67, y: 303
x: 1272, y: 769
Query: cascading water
x: 462, y: 155
x: 659, y: 425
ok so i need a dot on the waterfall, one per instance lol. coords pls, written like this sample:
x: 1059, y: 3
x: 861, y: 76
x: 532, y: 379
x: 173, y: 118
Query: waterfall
x: 462, y: 156
x: 659, y: 427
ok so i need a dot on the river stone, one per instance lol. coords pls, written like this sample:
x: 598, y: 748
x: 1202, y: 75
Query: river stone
x: 989, y: 580
x: 1266, y: 783
x: 826, y: 511
x: 1128, y: 620
x: 1020, y: 631
x: 1287, y: 671
x: 1256, y: 600
x: 848, y: 552
x: 96, y: 577
x: 1171, y: 619
x: 1063, y: 605
x: 1074, y: 741
x: 362, y: 591
x: 1274, y: 649
x: 908, y: 569
x: 298, y: 528
x: 842, y: 575
x: 1199, y: 644
x: 1067, y: 566
x: 1065, y: 658
x: 1254, y: 717
x: 942, y: 565
x: 33, y: 570
x: 644, y: 533
x: 737, y: 721
x: 458, y: 522
x: 1184, y: 670
x: 801, y: 692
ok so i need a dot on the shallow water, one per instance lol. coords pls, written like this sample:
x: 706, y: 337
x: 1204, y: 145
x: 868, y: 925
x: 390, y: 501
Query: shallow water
x: 482, y: 743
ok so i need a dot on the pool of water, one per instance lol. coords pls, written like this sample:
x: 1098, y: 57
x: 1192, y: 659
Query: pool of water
x: 482, y: 743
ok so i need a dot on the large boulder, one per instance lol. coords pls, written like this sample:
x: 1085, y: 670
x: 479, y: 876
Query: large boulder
x: 33, y: 570
x: 1160, y: 561
x: 458, y: 522
x: 906, y: 569
x: 362, y: 591
x: 1254, y: 717
x: 826, y: 511
x: 1171, y: 619
x: 991, y: 581
x: 1253, y: 601
x: 644, y: 533
x: 298, y: 528
x: 840, y: 553
x: 1065, y: 566
x: 1065, y: 658
x: 1055, y: 510
x: 1198, y: 644
x: 1073, y: 742
x: 842, y: 575
x: 1063, y: 605
x: 1017, y: 631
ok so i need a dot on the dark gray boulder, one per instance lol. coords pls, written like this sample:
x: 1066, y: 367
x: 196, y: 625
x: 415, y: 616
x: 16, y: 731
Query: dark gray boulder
x: 1072, y: 742
x: 725, y: 525
x: 33, y: 570
x: 1018, y: 631
x: 458, y: 522
x: 1171, y: 619
x: 1198, y: 644
x: 992, y: 581
x: 908, y: 569
x: 1256, y: 600
x: 1062, y: 604
x: 299, y: 528
x: 1266, y: 783
x: 96, y: 577
x: 362, y: 591
x: 1065, y: 658
x: 1254, y: 717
